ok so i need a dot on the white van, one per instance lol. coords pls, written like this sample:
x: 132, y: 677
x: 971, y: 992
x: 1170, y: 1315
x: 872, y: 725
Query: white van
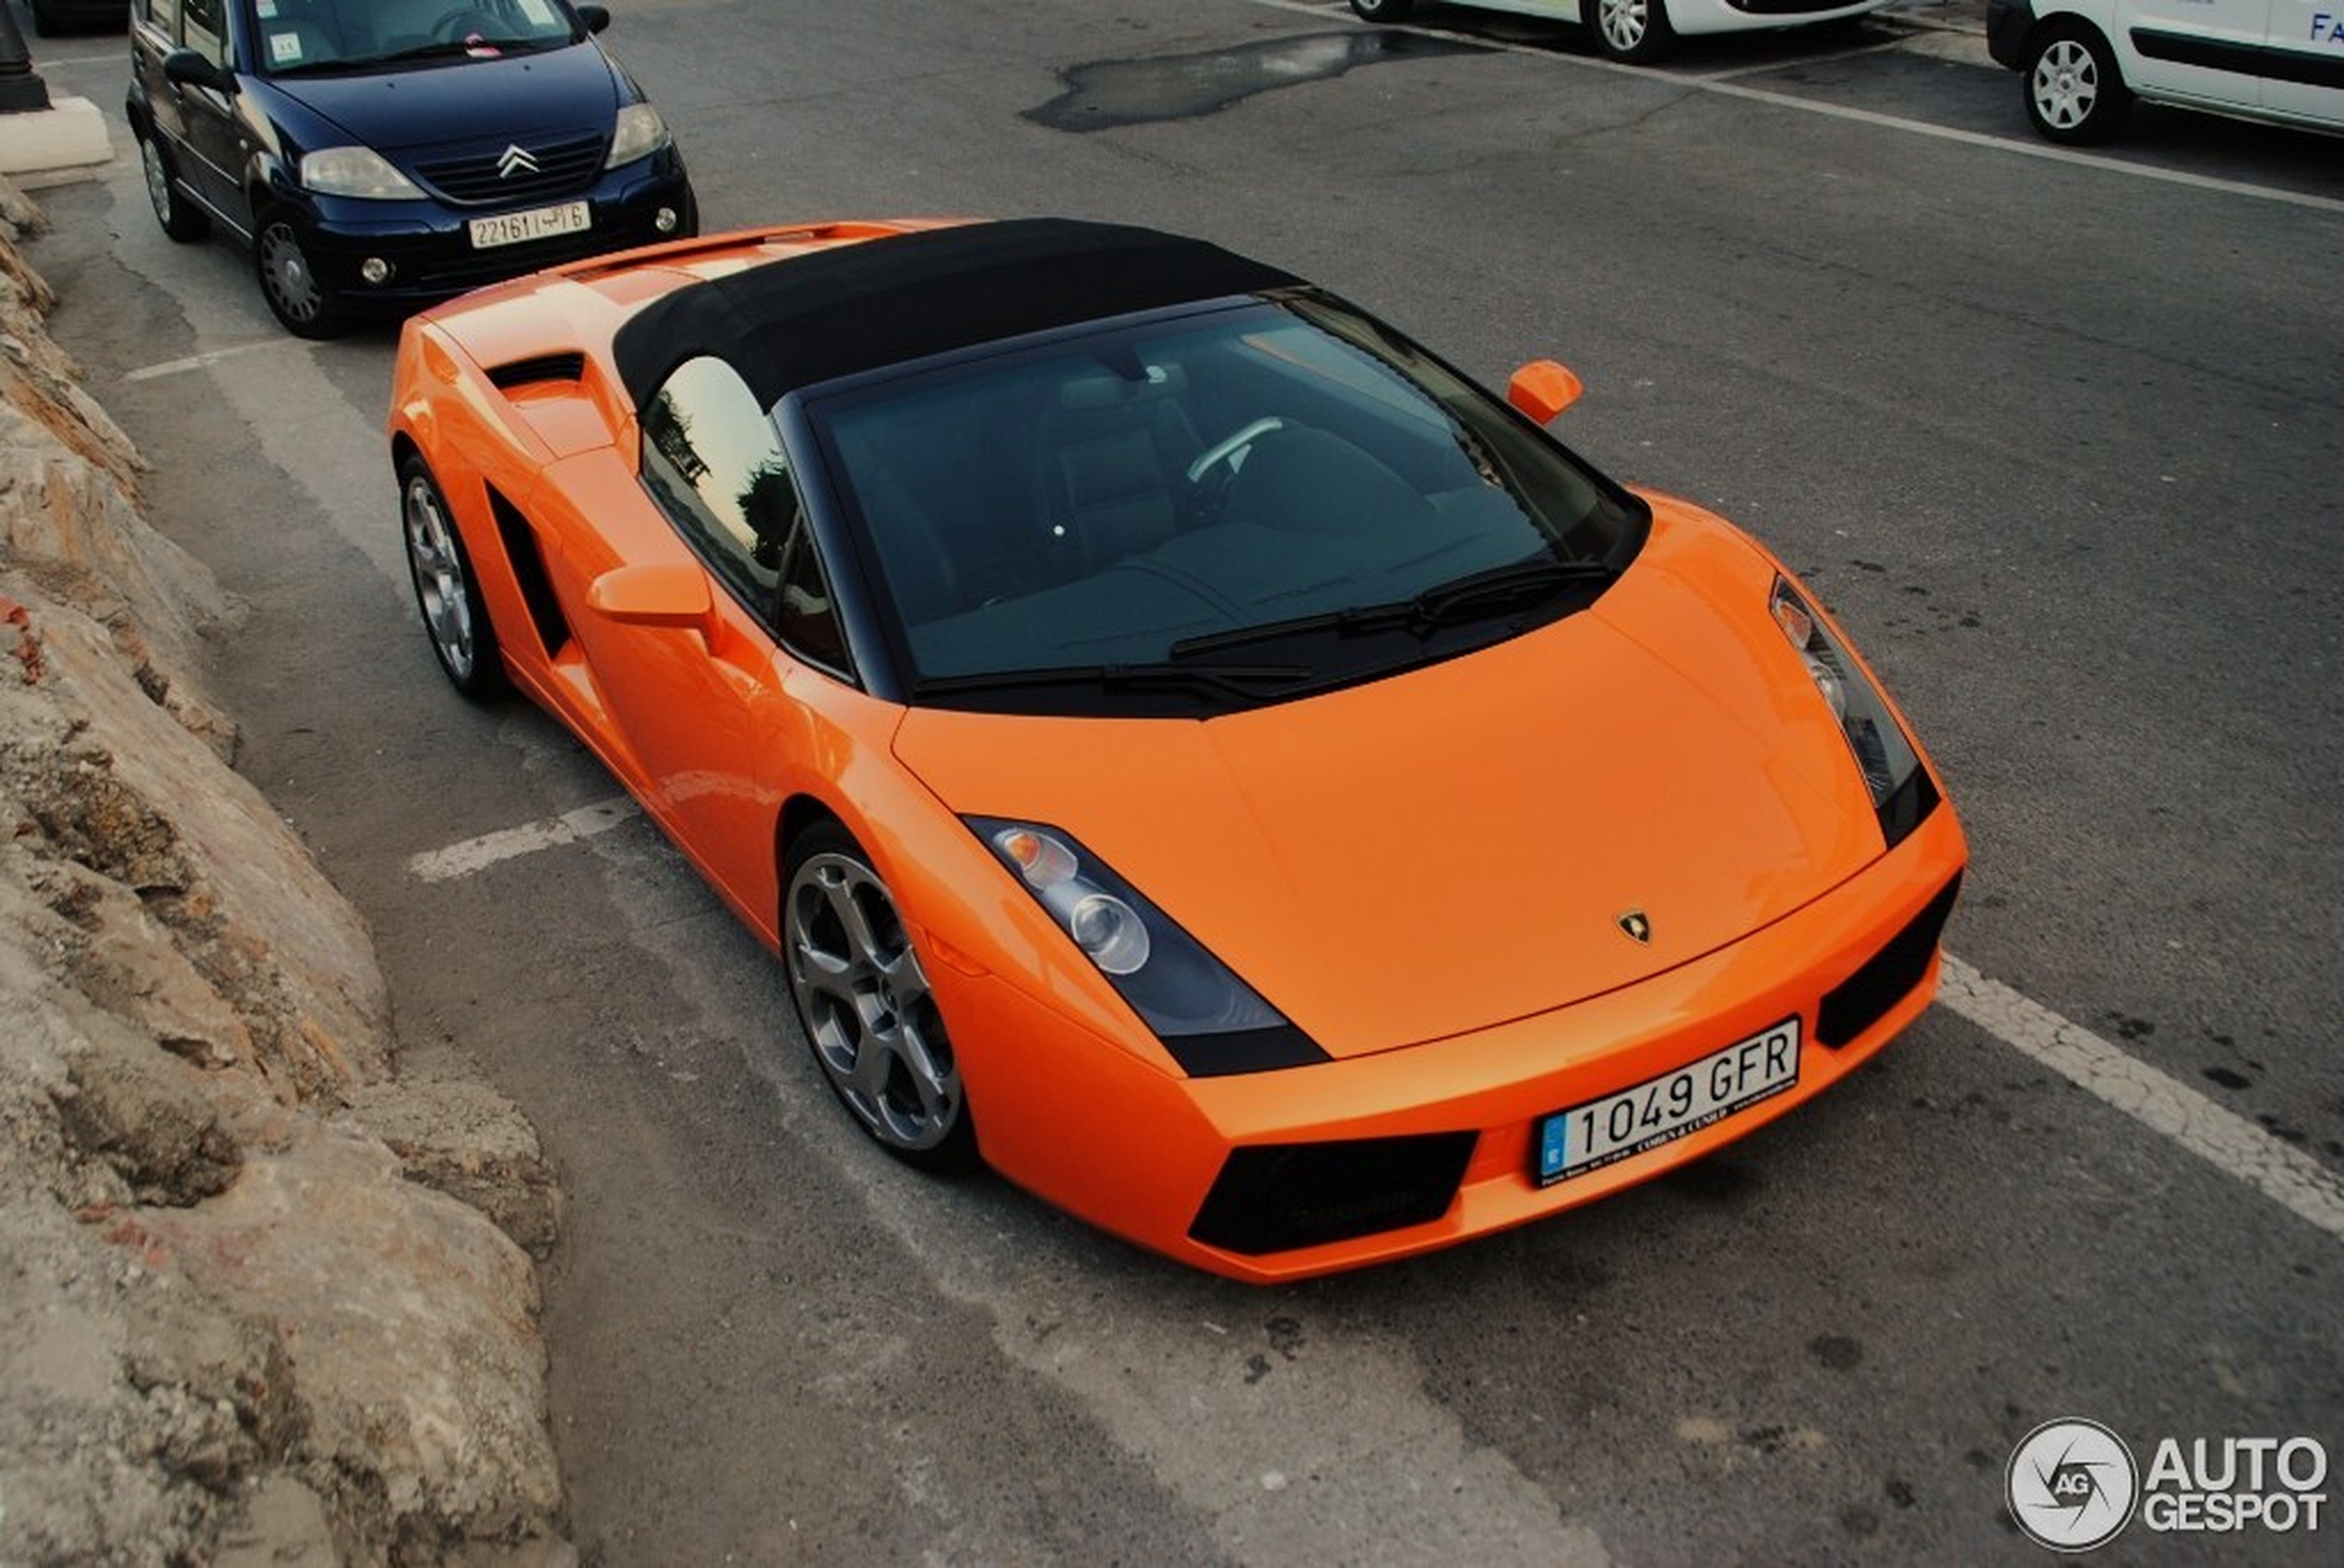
x: 1641, y: 30
x: 2081, y: 63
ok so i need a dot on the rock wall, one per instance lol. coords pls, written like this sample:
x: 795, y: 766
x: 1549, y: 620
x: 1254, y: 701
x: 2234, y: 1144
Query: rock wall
x: 261, y: 1299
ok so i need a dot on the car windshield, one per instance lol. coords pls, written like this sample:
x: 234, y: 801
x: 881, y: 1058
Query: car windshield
x: 297, y: 37
x: 1214, y: 510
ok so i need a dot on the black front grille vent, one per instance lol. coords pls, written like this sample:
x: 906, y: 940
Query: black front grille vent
x: 1887, y: 977
x: 1274, y: 1197
x: 518, y: 172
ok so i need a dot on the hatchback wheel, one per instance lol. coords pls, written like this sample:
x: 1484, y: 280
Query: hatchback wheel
x: 180, y: 218
x: 445, y: 590
x: 866, y: 1004
x: 1634, y: 31
x: 290, y: 284
x: 2074, y: 92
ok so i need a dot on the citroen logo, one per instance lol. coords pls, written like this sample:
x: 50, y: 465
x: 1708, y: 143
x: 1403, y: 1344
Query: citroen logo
x: 1637, y: 925
x: 516, y: 161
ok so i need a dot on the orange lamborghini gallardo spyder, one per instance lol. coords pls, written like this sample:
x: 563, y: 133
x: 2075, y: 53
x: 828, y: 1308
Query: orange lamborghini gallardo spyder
x: 1190, y: 749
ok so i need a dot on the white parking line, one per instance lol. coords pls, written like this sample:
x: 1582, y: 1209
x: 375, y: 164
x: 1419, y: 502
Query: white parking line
x: 479, y: 854
x: 2025, y: 149
x: 211, y: 357
x: 2222, y: 1138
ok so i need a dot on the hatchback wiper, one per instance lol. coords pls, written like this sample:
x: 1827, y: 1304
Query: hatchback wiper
x: 1462, y: 599
x: 1246, y: 681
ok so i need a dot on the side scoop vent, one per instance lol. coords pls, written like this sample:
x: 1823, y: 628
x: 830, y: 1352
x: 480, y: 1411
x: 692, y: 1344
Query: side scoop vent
x: 537, y: 369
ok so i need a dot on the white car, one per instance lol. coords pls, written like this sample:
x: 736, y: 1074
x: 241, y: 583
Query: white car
x: 1642, y: 31
x: 2081, y: 63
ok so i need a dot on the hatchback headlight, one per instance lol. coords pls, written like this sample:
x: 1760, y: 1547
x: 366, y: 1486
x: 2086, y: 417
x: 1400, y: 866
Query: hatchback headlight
x: 1882, y: 753
x: 356, y: 171
x: 641, y: 132
x: 1212, y: 1022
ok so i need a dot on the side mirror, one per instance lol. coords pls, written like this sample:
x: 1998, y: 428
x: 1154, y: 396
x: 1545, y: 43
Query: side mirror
x: 188, y: 68
x: 667, y: 594
x: 1543, y: 388
x: 596, y: 17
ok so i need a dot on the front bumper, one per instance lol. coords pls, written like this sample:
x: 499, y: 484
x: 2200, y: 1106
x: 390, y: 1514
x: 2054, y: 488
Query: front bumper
x: 428, y: 247
x: 1278, y: 1176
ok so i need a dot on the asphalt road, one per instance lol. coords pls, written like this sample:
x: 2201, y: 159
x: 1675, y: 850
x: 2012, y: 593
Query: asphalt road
x: 2053, y: 434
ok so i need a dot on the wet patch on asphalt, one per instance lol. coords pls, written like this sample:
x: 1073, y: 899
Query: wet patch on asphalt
x: 1108, y: 94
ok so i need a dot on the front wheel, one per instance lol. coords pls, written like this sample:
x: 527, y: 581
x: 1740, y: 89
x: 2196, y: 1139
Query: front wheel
x: 1384, y: 10
x: 2075, y: 91
x: 289, y: 281
x: 866, y: 1005
x: 1634, y: 32
x: 446, y: 591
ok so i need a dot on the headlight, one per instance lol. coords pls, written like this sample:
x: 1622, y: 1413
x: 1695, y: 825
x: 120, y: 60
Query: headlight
x: 639, y: 134
x: 1885, y: 756
x: 356, y: 171
x: 1212, y: 1022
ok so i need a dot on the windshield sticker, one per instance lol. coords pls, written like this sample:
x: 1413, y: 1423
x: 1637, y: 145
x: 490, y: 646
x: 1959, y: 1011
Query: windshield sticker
x: 538, y: 12
x: 284, y: 48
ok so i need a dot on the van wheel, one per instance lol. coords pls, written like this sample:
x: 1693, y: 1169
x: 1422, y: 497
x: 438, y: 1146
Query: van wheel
x: 1634, y: 32
x: 1384, y: 10
x: 2074, y: 92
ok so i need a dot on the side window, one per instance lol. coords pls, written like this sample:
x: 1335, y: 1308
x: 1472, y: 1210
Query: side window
x: 207, y: 29
x: 163, y: 15
x: 713, y: 462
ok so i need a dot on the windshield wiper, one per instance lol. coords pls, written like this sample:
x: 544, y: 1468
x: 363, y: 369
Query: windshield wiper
x: 450, y: 47
x: 1466, y: 598
x: 1246, y: 681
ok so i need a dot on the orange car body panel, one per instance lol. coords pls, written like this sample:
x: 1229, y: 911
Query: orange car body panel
x: 1484, y: 821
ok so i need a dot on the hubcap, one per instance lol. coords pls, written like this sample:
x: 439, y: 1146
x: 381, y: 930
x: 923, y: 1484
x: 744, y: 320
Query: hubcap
x: 1623, y: 22
x: 286, y: 271
x: 867, y: 1004
x: 2066, y: 84
x: 439, y: 578
x: 157, y: 179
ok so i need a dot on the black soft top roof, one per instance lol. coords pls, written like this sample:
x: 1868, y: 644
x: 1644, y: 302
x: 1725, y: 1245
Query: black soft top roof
x: 791, y: 323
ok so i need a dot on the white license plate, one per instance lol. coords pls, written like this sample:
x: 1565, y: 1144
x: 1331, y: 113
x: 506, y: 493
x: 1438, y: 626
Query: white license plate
x: 1585, y: 1138
x: 513, y: 228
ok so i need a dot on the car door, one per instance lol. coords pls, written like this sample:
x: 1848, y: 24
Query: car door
x: 210, y: 124
x: 2304, y: 76
x: 699, y: 697
x: 2207, y: 50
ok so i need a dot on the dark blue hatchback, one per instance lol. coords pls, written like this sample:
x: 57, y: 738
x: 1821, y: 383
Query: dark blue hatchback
x: 379, y: 155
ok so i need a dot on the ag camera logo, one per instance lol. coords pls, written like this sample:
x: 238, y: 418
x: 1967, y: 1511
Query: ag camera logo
x: 2071, y: 1485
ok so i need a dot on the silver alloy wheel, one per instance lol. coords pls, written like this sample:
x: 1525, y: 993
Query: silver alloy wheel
x: 867, y: 1005
x: 439, y: 578
x: 2066, y: 84
x: 157, y: 179
x: 1623, y: 23
x: 286, y: 273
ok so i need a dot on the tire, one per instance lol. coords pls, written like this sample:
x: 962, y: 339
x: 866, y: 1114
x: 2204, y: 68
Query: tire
x: 288, y: 282
x: 447, y: 592
x: 180, y: 218
x: 2073, y: 89
x: 1384, y: 10
x: 1634, y: 32
x: 865, y: 1003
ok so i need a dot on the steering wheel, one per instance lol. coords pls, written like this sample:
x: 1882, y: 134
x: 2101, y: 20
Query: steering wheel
x: 451, y: 25
x: 1231, y: 448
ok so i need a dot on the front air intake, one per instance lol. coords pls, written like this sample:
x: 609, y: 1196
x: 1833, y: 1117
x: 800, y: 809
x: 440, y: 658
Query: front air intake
x: 1275, y: 1197
x: 1887, y: 976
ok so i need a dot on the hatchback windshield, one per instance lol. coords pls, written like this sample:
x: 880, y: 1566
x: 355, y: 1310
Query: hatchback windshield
x: 1243, y: 504
x: 296, y: 36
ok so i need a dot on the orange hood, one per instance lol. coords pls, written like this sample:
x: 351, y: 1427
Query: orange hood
x: 1453, y: 847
